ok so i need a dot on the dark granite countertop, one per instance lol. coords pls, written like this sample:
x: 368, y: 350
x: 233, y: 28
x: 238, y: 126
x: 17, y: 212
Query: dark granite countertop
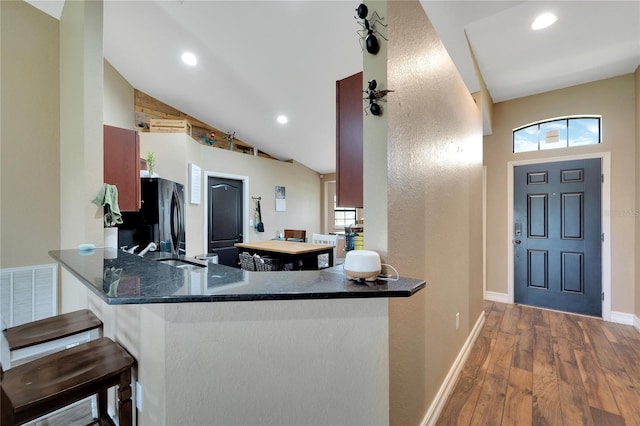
x: 122, y: 278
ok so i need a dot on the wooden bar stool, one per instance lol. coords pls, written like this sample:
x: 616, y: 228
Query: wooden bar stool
x: 33, y: 339
x: 41, y: 386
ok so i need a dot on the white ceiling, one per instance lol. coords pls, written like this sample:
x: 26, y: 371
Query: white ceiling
x: 592, y: 40
x: 259, y: 59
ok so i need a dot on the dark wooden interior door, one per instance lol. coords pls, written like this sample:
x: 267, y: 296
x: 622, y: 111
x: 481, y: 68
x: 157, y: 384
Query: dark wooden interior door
x: 225, y: 213
x: 557, y: 236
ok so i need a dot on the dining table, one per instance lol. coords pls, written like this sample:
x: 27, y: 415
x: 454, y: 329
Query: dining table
x: 303, y: 256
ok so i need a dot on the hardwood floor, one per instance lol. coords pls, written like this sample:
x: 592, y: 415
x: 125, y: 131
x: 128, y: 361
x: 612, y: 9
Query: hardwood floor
x: 536, y: 367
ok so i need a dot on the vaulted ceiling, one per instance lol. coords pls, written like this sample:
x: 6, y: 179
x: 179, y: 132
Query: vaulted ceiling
x: 260, y: 59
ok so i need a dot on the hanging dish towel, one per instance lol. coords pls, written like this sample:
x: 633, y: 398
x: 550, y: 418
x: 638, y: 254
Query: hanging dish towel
x: 108, y: 198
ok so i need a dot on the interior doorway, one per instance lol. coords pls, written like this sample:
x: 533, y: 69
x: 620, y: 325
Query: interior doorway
x: 605, y: 206
x: 226, y: 200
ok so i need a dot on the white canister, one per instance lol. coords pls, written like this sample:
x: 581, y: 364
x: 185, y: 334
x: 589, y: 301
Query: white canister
x: 111, y: 237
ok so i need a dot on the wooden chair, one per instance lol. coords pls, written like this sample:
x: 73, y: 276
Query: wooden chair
x: 295, y: 235
x: 298, y: 235
x: 54, y: 381
x: 28, y: 341
x: 323, y: 259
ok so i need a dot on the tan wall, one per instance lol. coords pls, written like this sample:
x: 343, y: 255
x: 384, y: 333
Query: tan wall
x: 434, y: 210
x: 637, y: 211
x: 30, y: 135
x: 614, y: 100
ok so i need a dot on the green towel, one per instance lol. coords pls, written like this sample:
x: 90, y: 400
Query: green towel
x: 108, y: 198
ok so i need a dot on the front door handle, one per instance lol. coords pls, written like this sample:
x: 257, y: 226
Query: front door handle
x: 517, y: 242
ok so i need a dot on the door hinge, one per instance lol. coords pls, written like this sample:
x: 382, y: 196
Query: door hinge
x: 603, y: 296
x: 602, y: 237
x: 602, y: 177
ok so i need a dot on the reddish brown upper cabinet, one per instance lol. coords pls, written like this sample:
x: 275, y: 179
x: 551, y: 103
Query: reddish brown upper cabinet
x: 349, y: 145
x: 122, y: 165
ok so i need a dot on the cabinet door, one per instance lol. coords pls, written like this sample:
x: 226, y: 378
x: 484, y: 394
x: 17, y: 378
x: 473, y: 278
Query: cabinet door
x: 349, y: 107
x: 122, y: 165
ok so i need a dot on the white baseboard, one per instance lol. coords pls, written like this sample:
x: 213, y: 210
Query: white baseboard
x: 636, y: 323
x: 496, y: 297
x: 449, y: 382
x: 622, y: 318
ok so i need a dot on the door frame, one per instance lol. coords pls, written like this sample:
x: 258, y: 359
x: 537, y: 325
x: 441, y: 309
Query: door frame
x: 328, y: 225
x: 606, y: 222
x: 245, y: 204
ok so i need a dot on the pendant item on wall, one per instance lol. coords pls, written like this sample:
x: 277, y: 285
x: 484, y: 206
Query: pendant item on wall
x: 369, y: 32
x: 281, y: 199
x: 258, y: 215
x: 374, y: 96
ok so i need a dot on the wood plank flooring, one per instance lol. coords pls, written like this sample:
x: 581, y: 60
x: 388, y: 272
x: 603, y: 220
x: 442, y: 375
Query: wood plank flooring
x: 532, y: 366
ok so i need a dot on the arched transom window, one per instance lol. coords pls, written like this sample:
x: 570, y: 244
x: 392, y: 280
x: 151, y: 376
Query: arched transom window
x: 563, y: 132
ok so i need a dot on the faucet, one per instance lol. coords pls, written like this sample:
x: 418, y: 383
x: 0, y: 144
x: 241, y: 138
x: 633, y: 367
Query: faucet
x: 131, y: 250
x: 150, y: 247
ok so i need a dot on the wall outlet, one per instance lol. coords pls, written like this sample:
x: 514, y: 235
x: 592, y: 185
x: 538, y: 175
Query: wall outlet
x: 457, y: 320
x: 139, y: 396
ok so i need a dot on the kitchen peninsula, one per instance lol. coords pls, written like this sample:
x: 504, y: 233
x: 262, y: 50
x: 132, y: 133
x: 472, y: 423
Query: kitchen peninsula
x: 299, y: 348
x: 118, y: 277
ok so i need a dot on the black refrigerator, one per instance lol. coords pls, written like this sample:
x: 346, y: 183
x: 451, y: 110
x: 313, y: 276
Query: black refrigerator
x: 160, y: 219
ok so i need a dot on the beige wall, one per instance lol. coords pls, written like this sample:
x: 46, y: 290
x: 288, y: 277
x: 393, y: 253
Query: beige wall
x: 30, y: 136
x: 434, y: 203
x: 119, y: 101
x: 327, y: 193
x: 173, y: 153
x: 375, y: 136
x: 81, y: 155
x: 300, y: 362
x: 614, y: 100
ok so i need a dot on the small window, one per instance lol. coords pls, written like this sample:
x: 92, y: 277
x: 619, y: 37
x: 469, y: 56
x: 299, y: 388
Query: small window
x: 343, y: 216
x: 558, y: 133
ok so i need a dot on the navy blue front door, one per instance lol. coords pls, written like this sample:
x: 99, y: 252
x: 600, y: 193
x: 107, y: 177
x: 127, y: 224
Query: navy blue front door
x: 557, y: 236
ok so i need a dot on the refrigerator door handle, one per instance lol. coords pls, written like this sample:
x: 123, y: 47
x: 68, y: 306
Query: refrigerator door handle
x: 176, y: 222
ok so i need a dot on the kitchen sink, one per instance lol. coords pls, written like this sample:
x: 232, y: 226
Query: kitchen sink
x: 181, y: 263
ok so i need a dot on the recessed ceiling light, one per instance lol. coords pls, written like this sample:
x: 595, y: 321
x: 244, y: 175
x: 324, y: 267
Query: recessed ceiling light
x: 189, y: 59
x: 543, y: 21
x: 282, y: 119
